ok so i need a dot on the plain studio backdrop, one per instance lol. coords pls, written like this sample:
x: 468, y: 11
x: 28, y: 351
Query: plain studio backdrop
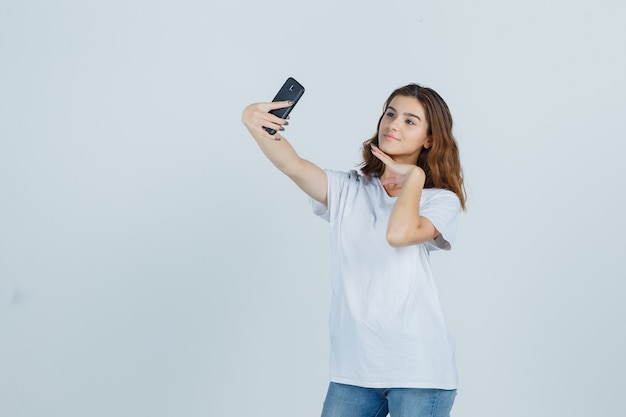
x: 153, y: 263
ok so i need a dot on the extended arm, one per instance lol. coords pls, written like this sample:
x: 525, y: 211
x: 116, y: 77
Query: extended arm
x: 308, y: 176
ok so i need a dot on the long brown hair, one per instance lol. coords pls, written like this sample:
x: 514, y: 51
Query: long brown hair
x: 441, y: 161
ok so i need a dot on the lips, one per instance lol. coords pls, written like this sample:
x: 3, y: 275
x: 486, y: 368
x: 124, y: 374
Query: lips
x: 390, y: 137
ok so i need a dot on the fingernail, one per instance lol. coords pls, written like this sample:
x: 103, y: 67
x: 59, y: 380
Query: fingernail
x: 291, y: 102
x: 282, y: 128
x: 286, y: 123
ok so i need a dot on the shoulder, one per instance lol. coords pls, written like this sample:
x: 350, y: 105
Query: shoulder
x: 347, y: 185
x: 440, y: 196
x: 351, y: 175
x: 439, y: 192
x: 348, y: 177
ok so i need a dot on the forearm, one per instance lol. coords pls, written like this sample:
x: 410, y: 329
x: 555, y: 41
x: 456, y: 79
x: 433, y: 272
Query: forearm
x: 275, y: 147
x: 279, y: 151
x: 406, y: 226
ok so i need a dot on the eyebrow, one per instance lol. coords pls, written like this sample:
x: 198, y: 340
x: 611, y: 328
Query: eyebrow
x: 406, y: 114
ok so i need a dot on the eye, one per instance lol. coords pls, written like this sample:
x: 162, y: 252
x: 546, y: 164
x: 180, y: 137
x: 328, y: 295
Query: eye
x: 410, y: 122
x: 389, y: 114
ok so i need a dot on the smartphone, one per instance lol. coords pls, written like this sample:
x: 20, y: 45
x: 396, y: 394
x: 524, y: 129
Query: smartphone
x: 291, y: 90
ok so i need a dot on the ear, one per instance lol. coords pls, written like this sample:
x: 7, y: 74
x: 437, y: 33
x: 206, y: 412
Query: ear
x: 429, y: 142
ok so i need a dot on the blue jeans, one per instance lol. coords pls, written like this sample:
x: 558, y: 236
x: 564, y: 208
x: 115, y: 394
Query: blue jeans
x: 351, y: 401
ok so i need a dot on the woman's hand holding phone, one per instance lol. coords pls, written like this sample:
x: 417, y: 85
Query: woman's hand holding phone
x: 277, y: 111
x: 259, y: 117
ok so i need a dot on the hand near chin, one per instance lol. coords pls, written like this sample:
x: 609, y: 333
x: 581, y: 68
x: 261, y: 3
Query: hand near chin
x: 396, y: 173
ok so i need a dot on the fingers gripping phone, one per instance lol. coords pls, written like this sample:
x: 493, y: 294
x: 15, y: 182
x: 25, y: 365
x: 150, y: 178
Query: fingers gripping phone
x: 291, y: 90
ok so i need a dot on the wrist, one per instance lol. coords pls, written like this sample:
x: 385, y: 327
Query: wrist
x: 416, y: 174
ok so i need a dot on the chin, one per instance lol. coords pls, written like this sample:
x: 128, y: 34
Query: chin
x: 387, y: 147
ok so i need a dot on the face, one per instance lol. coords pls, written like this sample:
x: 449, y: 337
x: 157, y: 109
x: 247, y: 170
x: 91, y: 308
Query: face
x: 403, y: 130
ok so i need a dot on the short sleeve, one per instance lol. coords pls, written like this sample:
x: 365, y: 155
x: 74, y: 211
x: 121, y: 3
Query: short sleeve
x: 443, y: 209
x: 337, y: 184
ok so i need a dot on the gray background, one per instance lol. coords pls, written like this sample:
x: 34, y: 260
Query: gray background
x: 153, y: 263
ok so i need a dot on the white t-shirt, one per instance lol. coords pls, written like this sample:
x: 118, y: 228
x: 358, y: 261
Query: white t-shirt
x: 387, y: 328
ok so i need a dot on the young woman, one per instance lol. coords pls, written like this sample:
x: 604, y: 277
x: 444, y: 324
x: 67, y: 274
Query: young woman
x: 390, y: 347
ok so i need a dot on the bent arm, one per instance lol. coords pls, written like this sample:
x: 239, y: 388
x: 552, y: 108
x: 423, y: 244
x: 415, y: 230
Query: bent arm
x: 309, y: 177
x: 406, y: 226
